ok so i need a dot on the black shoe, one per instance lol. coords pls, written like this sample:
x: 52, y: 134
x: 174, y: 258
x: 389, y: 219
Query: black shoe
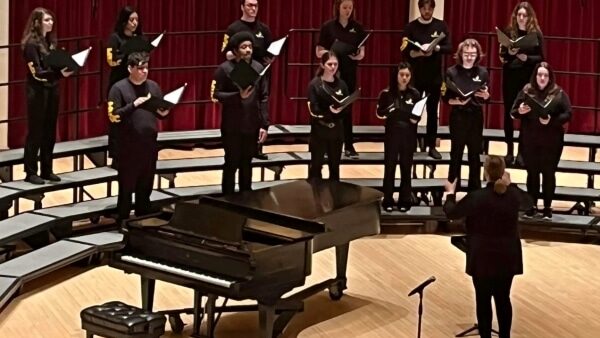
x: 547, y: 212
x: 508, y: 159
x: 433, y: 153
x: 51, y: 177
x: 530, y: 213
x: 351, y: 153
x: 261, y: 156
x: 519, y: 160
x: 34, y: 179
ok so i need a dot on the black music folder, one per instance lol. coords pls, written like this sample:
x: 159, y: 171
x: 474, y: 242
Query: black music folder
x: 464, y: 90
x: 526, y: 41
x: 539, y: 107
x: 346, y: 101
x: 244, y: 76
x: 168, y: 101
x: 340, y: 47
x: 59, y: 59
x: 432, y: 44
x: 140, y: 44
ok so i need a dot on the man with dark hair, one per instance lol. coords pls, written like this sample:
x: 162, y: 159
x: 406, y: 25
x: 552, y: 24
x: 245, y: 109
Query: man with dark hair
x: 137, y: 132
x: 427, y: 66
x: 244, y: 115
x: 262, y: 39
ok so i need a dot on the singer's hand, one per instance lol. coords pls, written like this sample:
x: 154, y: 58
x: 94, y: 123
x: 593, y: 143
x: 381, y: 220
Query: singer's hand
x: 262, y: 135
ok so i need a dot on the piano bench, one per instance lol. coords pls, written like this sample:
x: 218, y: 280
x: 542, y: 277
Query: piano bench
x: 119, y: 320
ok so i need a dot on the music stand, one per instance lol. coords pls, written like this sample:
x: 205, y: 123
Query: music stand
x: 420, y: 289
x: 461, y: 243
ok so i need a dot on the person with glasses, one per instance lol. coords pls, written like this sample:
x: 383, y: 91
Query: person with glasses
x: 262, y: 40
x: 517, y: 67
x: 466, y: 115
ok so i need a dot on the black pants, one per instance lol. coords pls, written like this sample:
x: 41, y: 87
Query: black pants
x: 541, y: 157
x: 399, y: 147
x: 324, y: 140
x: 513, y: 81
x: 499, y: 288
x: 239, y: 150
x: 432, y: 111
x: 466, y: 129
x: 42, y: 113
x: 348, y: 74
x: 136, y: 174
x: 113, y: 144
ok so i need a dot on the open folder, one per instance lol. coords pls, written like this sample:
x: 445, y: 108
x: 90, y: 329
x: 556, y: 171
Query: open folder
x: 276, y: 46
x: 420, y: 107
x: 340, y: 47
x: 168, y: 101
x: 523, y: 42
x: 59, y: 59
x: 244, y: 76
x: 465, y: 91
x: 539, y: 107
x: 432, y: 44
x: 139, y: 44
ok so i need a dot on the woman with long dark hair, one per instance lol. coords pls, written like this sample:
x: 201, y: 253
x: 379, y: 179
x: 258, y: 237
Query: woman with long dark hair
x: 395, y: 105
x: 517, y: 67
x: 542, y: 132
x: 326, y: 133
x: 127, y: 26
x: 345, y: 28
x: 39, y: 38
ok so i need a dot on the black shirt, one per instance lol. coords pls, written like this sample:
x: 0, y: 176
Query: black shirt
x: 494, y: 246
x: 237, y: 114
x: 38, y: 72
x: 397, y: 107
x: 466, y: 80
x: 427, y: 70
x: 535, y: 55
x: 113, y: 54
x: 262, y: 37
x: 320, y: 99
x: 352, y: 34
x: 134, y: 123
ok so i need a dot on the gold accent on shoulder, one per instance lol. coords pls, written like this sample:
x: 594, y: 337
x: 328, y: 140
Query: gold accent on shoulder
x: 404, y: 44
x: 225, y: 42
x: 34, y: 74
x: 111, y: 115
x: 213, y: 86
x: 443, y: 88
x: 109, y: 57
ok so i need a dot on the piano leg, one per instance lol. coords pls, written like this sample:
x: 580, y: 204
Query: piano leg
x: 147, y: 293
x: 336, y: 290
x: 210, y: 315
x: 198, y: 313
x: 266, y: 319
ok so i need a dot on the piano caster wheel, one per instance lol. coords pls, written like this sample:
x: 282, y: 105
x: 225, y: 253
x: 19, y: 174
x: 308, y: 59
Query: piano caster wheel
x: 176, y: 323
x: 335, y: 292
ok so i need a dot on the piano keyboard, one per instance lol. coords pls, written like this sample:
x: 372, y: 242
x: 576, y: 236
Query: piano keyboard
x: 177, y: 271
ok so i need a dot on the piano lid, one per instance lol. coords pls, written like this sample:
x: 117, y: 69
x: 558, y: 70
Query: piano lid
x: 307, y: 199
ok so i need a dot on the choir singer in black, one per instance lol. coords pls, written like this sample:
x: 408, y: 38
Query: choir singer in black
x: 244, y: 114
x: 427, y: 65
x: 466, y: 90
x: 42, y: 92
x: 326, y: 131
x: 494, y: 253
x: 542, y: 132
x: 395, y: 105
x: 137, y: 133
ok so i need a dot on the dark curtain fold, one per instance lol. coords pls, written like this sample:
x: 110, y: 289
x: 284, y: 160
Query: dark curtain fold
x: 576, y: 58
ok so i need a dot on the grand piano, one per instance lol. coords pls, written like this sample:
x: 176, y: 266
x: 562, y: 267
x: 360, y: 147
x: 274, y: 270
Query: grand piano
x: 253, y: 245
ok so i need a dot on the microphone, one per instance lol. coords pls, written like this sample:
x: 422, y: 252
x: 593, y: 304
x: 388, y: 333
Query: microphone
x: 420, y: 288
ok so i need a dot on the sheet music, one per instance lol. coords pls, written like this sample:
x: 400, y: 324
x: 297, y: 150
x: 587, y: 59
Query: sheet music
x: 175, y: 95
x: 81, y: 57
x: 156, y: 41
x: 419, y: 107
x: 276, y: 46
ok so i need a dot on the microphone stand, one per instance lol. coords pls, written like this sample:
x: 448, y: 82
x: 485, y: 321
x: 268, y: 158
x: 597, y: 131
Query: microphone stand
x: 420, y: 313
x: 420, y: 290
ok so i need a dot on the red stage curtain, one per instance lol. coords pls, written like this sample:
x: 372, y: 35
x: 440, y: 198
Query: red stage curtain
x: 96, y: 18
x: 557, y: 18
